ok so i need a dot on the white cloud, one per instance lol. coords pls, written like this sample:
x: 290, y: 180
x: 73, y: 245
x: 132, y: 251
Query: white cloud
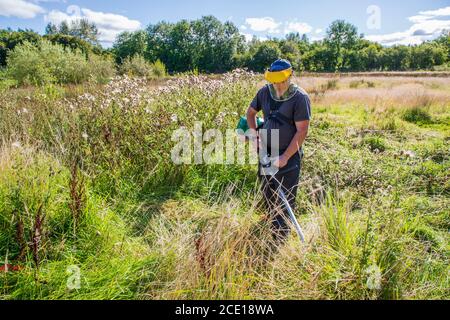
x: 395, y: 38
x: 109, y: 24
x: 248, y: 36
x: 318, y: 30
x: 300, y: 27
x: 263, y: 38
x: 270, y: 26
x: 266, y: 24
x: 427, y: 25
x: 427, y: 15
x: 316, y: 38
x: 20, y: 9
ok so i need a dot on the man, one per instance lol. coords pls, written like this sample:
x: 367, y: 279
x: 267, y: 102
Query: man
x: 287, y: 108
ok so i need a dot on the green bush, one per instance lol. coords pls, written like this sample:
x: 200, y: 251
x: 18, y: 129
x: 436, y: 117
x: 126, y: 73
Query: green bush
x: 375, y: 143
x: 46, y: 63
x: 101, y: 69
x: 138, y: 66
x: 27, y: 66
x: 5, y: 84
x: 159, y: 69
x: 416, y: 115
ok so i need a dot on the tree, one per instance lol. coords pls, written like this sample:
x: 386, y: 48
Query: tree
x: 290, y: 51
x: 209, y: 45
x: 218, y: 44
x: 319, y: 58
x: 64, y: 28
x: 205, y: 44
x: 173, y: 44
x: 85, y: 30
x: 10, y: 39
x: 51, y: 29
x: 444, y: 42
x: 341, y: 35
x: 266, y: 53
x: 372, y: 57
x: 396, y: 58
x: 427, y: 55
x: 130, y: 44
x: 293, y: 37
x: 74, y: 43
x: 81, y: 28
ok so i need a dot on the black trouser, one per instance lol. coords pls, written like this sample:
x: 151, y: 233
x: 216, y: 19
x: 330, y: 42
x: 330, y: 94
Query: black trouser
x: 289, y: 178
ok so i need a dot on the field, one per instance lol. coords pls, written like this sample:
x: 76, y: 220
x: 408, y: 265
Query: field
x: 92, y: 207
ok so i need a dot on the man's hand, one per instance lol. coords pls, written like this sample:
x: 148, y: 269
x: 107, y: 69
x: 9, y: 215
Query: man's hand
x: 281, y: 162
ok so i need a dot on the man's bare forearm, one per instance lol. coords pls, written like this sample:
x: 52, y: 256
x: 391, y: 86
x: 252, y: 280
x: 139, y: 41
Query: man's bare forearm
x: 251, y: 118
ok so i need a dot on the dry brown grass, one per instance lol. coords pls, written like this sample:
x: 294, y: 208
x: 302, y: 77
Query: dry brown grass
x: 381, y: 92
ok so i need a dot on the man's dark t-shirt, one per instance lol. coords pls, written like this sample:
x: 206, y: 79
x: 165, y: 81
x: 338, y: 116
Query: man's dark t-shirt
x: 297, y: 108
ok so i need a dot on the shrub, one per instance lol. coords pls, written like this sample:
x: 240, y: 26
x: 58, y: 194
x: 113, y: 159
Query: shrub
x: 321, y: 90
x: 389, y: 124
x: 375, y: 143
x: 416, y: 115
x: 6, y: 84
x: 159, y: 69
x: 355, y: 84
x: 46, y: 63
x: 27, y: 67
x: 101, y: 69
x: 136, y: 66
x: 331, y: 84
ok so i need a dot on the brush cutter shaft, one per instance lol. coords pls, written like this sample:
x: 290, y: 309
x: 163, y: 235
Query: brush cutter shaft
x: 292, y: 215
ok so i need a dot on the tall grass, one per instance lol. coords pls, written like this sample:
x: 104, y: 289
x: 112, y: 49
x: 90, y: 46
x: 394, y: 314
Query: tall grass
x: 87, y: 188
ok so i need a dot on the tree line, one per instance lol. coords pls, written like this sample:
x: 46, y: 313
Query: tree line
x: 209, y: 46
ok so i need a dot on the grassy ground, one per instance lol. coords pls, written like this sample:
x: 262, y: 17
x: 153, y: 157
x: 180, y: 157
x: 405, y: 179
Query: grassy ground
x: 91, y: 206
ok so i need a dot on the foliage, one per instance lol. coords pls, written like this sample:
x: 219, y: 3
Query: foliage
x: 130, y: 44
x: 10, y: 39
x: 50, y: 63
x: 210, y: 46
x: 73, y: 43
x: 266, y: 53
x: 205, y: 44
x: 80, y: 28
x: 138, y: 66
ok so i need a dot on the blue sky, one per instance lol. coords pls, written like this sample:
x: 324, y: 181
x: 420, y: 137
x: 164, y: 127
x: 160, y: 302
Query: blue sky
x: 388, y: 22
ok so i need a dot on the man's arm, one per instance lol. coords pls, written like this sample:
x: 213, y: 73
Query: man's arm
x: 251, y: 121
x: 251, y: 118
x: 295, y: 145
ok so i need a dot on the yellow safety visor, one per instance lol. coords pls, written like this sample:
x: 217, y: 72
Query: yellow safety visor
x: 278, y: 76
